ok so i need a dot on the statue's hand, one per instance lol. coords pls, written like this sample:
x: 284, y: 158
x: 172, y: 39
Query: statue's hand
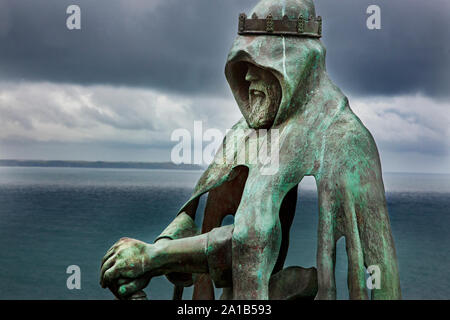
x: 130, y: 289
x: 131, y: 261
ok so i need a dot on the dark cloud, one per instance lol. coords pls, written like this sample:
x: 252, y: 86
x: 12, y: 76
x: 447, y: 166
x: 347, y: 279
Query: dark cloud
x: 181, y: 46
x: 174, y: 45
x: 410, y: 53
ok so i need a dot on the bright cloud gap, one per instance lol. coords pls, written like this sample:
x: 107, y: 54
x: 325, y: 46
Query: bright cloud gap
x: 41, y: 115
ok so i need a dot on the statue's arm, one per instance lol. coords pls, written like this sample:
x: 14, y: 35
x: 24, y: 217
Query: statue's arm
x: 366, y: 227
x: 130, y: 264
x: 183, y: 225
x: 189, y: 252
x: 370, y: 242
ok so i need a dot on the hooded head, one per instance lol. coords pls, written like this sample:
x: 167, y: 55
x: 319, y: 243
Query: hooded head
x: 272, y: 75
x: 279, y: 81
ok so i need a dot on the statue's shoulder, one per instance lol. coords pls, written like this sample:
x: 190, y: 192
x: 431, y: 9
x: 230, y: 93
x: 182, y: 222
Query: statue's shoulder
x: 348, y: 134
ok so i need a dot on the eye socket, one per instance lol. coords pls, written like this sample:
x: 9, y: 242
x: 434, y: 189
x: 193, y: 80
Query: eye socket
x: 240, y: 85
x: 253, y: 73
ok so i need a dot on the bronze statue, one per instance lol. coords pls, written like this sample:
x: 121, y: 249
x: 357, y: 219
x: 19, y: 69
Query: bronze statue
x: 276, y: 71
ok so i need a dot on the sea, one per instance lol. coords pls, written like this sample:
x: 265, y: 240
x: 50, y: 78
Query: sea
x: 53, y: 218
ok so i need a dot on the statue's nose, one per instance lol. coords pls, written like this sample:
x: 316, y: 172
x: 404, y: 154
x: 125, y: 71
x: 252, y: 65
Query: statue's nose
x: 251, y: 75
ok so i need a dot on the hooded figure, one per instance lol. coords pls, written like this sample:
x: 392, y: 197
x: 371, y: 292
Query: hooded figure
x: 280, y: 84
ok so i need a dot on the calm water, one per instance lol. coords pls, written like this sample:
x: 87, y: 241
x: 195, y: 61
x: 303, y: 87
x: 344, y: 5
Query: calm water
x: 51, y: 218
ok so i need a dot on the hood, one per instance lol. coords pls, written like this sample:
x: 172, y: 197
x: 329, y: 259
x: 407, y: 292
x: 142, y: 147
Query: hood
x: 298, y: 63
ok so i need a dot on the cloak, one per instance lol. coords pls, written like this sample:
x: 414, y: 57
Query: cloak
x: 319, y: 136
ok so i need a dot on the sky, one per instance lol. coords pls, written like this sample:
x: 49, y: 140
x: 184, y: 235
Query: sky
x: 137, y: 70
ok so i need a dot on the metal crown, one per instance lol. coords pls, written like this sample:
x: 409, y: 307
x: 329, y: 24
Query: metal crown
x: 300, y: 27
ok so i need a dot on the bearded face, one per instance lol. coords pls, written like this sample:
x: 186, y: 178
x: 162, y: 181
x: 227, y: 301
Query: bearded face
x: 264, y: 94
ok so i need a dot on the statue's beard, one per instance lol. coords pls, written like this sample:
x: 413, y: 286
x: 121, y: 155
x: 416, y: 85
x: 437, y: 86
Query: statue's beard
x: 263, y: 104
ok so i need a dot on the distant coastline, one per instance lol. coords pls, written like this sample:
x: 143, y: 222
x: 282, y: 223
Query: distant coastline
x: 97, y: 164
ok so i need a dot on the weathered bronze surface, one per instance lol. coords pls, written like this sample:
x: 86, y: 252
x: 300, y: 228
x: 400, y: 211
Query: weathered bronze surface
x: 279, y: 82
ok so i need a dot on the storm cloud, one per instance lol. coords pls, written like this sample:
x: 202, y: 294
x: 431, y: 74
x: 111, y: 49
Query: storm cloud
x: 181, y: 46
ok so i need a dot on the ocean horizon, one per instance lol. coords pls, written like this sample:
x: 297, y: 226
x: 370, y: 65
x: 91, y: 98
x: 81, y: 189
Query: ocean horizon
x: 51, y: 218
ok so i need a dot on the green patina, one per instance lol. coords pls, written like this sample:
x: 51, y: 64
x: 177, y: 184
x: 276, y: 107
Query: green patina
x: 319, y: 136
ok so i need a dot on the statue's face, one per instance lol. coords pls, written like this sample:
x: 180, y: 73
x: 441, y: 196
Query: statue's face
x: 264, y: 95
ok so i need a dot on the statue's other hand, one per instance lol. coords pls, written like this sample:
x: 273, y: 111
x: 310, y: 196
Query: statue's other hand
x: 124, y: 289
x: 129, y: 259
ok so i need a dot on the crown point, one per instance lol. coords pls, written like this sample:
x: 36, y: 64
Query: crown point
x: 242, y: 18
x: 254, y: 16
x: 269, y: 23
x: 319, y: 31
x: 300, y: 24
x: 285, y: 17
